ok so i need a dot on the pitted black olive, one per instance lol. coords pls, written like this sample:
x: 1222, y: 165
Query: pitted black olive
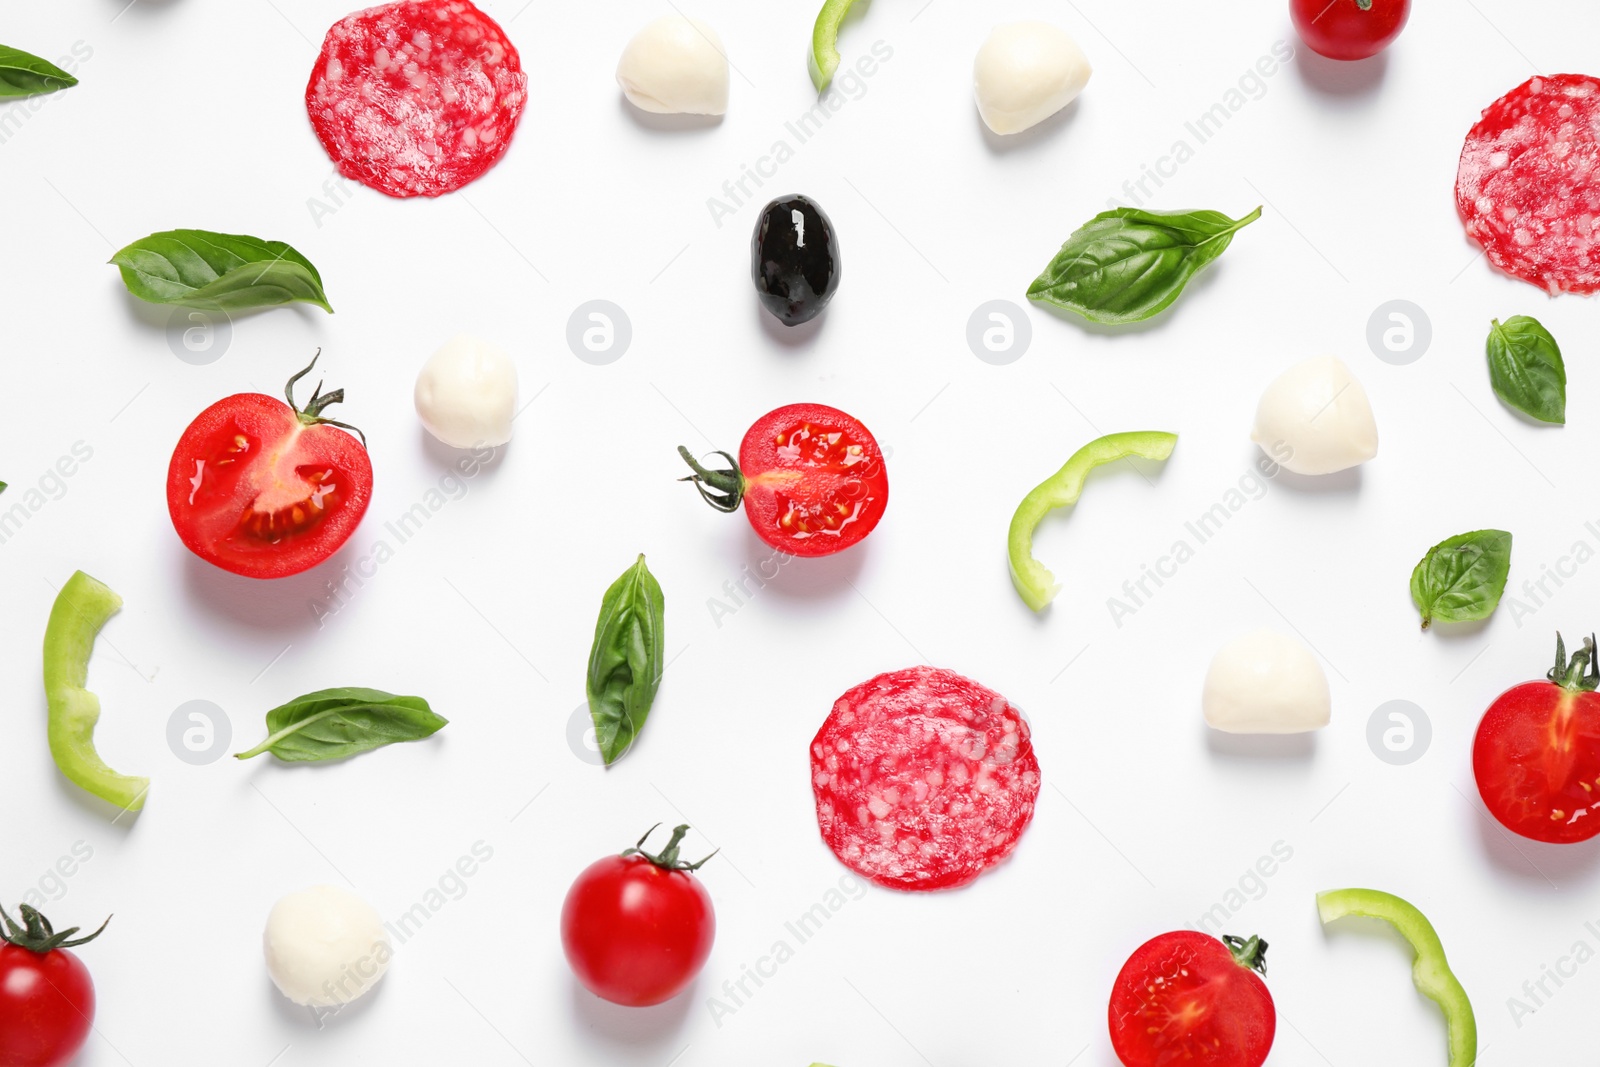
x: 794, y: 259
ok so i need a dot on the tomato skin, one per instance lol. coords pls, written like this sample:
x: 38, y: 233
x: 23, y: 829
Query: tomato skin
x: 249, y: 492
x: 1339, y: 29
x: 634, y: 933
x: 46, y: 1007
x: 1182, y: 998
x: 1536, y: 758
x: 794, y: 477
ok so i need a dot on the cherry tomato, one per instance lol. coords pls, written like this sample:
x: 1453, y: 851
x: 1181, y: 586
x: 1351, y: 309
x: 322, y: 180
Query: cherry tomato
x: 1188, y: 998
x: 46, y: 996
x: 638, y: 927
x: 267, y: 489
x: 1349, y: 29
x: 811, y: 479
x: 1537, y: 752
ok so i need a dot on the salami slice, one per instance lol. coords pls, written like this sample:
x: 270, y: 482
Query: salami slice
x: 923, y: 779
x: 416, y: 98
x: 1528, y: 186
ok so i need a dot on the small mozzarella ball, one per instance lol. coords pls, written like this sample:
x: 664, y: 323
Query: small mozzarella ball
x: 466, y: 393
x: 1025, y: 72
x: 325, y: 946
x: 1315, y: 419
x: 675, y: 65
x: 1266, y: 683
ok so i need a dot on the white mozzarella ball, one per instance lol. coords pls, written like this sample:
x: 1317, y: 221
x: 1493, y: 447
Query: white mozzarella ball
x: 1266, y: 683
x: 1315, y: 418
x: 1025, y: 72
x: 325, y: 946
x: 466, y: 393
x: 675, y: 65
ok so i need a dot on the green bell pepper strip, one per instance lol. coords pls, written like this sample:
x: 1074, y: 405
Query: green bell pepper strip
x: 81, y: 608
x: 824, y: 58
x: 1034, y: 582
x: 1430, y: 971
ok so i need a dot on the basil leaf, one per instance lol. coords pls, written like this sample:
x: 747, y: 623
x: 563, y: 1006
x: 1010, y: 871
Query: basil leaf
x: 22, y: 74
x: 218, y: 271
x: 1127, y: 265
x: 1526, y: 370
x: 335, y: 723
x: 625, y: 664
x: 1461, y: 578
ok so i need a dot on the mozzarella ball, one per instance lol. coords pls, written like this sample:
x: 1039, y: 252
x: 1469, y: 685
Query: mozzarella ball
x: 1025, y: 72
x: 675, y: 65
x: 466, y: 393
x: 1315, y: 418
x: 1266, y: 683
x: 325, y: 946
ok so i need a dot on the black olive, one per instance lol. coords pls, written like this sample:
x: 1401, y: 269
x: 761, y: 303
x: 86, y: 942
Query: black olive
x: 794, y: 259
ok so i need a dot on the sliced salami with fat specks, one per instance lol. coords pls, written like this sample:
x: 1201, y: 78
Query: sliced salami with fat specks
x: 1528, y: 186
x: 923, y: 779
x: 416, y: 98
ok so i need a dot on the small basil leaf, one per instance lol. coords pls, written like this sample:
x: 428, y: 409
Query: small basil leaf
x: 1462, y: 577
x: 1526, y: 370
x: 22, y: 74
x: 625, y: 663
x: 1127, y: 265
x: 334, y: 723
x: 218, y: 271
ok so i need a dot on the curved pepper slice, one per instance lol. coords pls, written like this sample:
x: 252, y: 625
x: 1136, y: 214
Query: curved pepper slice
x: 825, y: 42
x: 81, y: 608
x: 1430, y: 972
x: 1034, y: 582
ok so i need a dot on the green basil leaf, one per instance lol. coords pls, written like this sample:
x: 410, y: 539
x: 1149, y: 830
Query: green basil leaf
x: 1127, y: 265
x: 218, y: 271
x: 334, y: 723
x: 22, y: 74
x: 1461, y: 578
x: 625, y: 664
x: 1526, y: 370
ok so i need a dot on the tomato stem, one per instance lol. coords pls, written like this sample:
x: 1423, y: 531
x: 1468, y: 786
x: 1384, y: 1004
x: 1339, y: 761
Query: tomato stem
x: 1580, y: 674
x: 667, y: 859
x: 37, y: 935
x: 311, y: 414
x: 1251, y: 954
x: 722, y: 488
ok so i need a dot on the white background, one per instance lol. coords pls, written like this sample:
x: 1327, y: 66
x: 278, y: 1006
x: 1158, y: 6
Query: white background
x: 190, y: 114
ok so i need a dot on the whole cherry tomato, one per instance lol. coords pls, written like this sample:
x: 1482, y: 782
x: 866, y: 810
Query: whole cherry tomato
x: 1349, y: 29
x: 46, y: 996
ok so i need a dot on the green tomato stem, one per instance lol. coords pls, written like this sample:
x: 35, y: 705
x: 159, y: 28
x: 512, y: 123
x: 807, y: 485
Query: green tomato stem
x: 1034, y: 582
x: 825, y: 41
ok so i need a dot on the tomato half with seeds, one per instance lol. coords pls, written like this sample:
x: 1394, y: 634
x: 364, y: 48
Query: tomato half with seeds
x: 1536, y: 755
x: 1188, y: 998
x: 267, y: 489
x: 810, y: 477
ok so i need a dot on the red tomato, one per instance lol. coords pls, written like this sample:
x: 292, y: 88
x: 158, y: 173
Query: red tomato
x: 1537, y: 752
x: 638, y: 927
x: 46, y: 997
x: 1188, y: 998
x: 267, y: 489
x: 811, y: 478
x: 1349, y: 29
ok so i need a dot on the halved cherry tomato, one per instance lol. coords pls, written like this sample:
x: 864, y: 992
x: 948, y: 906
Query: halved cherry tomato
x: 1188, y: 998
x: 811, y: 479
x: 1536, y: 755
x: 267, y: 489
x: 46, y: 995
x: 1349, y: 29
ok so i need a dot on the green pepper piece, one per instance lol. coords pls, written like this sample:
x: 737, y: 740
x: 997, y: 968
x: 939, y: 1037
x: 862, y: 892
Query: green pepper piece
x: 1034, y: 582
x: 825, y: 42
x: 1430, y: 972
x: 81, y: 608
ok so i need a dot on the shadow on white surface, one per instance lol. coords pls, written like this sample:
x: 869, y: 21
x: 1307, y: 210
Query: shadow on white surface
x: 1001, y: 143
x: 1562, y: 867
x: 1225, y: 746
x: 1459, y: 631
x: 1340, y: 78
x: 1345, y: 481
x: 277, y: 605
x: 819, y: 578
x: 445, y: 457
x: 649, y: 120
x: 654, y: 1027
x: 305, y: 1018
x: 800, y: 336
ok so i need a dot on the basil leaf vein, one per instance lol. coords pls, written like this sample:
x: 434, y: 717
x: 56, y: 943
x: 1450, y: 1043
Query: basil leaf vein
x: 335, y: 723
x: 1526, y: 369
x: 625, y: 663
x: 218, y: 271
x: 1462, y: 578
x: 23, y: 74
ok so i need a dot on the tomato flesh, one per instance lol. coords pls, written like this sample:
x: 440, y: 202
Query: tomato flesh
x: 1183, y: 999
x: 1536, y: 758
x: 1340, y: 29
x: 814, y: 479
x: 254, y: 490
x: 634, y: 933
x: 46, y: 1007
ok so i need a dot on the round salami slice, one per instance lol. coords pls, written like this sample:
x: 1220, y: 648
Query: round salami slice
x: 416, y: 98
x: 923, y: 779
x: 1528, y: 186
